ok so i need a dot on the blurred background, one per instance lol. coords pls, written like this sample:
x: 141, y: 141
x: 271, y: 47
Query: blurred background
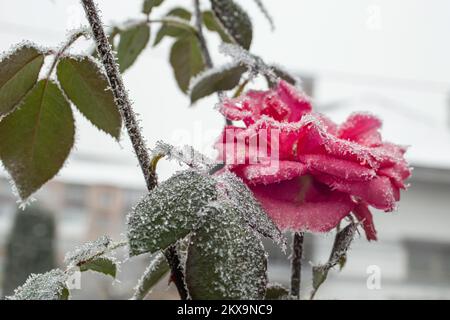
x: 390, y: 58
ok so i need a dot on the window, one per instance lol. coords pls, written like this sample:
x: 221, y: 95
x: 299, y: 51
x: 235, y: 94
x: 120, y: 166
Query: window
x: 428, y: 261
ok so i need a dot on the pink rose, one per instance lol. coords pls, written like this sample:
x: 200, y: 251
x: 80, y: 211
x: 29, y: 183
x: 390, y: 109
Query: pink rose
x: 313, y: 172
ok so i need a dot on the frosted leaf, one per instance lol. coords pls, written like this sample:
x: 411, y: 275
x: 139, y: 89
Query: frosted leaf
x: 340, y: 247
x: 107, y: 266
x: 226, y: 258
x: 255, y: 64
x: 276, y: 291
x: 241, y: 198
x: 88, y: 251
x: 169, y: 212
x: 46, y: 286
x: 157, y: 269
x: 265, y: 12
x: 186, y: 155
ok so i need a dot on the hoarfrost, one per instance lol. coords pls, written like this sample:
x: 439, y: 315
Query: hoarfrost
x: 186, y: 155
x: 226, y: 258
x: 157, y: 268
x: 241, y: 198
x: 46, y: 286
x: 169, y: 212
x: 88, y: 251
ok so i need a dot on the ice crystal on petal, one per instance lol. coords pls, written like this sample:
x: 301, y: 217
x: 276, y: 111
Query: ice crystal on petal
x: 46, y: 286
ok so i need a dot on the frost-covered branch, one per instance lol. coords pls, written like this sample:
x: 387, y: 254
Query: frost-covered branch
x: 119, y: 91
x: 200, y: 35
x: 296, y: 264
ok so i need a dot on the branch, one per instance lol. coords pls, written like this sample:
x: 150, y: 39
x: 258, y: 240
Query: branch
x: 131, y: 123
x: 200, y: 35
x: 296, y: 264
x: 119, y: 92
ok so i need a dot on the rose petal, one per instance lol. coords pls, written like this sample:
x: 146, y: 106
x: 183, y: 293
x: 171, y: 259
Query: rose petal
x: 294, y: 99
x: 361, y: 128
x: 337, y: 167
x: 364, y: 215
x: 316, y: 212
x: 265, y: 174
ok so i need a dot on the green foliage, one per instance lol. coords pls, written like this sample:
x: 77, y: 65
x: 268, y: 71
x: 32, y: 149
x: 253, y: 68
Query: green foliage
x: 215, y: 80
x: 157, y: 269
x: 282, y: 74
x: 341, y: 245
x: 37, y: 138
x: 47, y: 286
x: 169, y: 212
x: 173, y: 30
x: 103, y: 265
x: 186, y: 60
x: 148, y: 5
x: 226, y: 259
x: 18, y: 74
x: 30, y: 247
x: 212, y: 24
x: 235, y: 21
x: 86, y: 86
x: 132, y: 42
x: 276, y: 291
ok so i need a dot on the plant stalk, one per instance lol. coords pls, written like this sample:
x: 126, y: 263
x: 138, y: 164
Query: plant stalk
x: 296, y: 264
x: 132, y: 125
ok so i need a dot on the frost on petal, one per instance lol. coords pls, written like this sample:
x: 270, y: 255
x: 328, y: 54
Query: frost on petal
x: 267, y: 174
x: 303, y: 205
x: 378, y: 192
x: 297, y: 102
x: 398, y: 173
x: 344, y: 169
x: 363, y: 214
x: 241, y: 198
x: 46, y: 286
x: 361, y: 128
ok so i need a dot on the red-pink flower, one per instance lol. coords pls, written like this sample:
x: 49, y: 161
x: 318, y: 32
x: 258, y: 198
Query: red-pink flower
x: 313, y: 172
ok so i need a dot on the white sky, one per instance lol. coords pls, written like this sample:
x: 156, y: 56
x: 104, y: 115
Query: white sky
x: 397, y: 48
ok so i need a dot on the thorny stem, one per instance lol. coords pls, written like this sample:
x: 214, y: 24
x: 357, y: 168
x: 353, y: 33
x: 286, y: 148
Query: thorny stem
x: 177, y: 275
x: 296, y: 264
x: 201, y: 36
x: 119, y: 92
x: 131, y: 123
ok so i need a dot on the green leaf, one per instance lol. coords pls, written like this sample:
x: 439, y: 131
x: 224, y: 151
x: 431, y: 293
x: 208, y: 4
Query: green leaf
x: 169, y: 212
x: 157, y: 269
x: 87, y: 87
x: 46, y: 286
x: 37, y: 138
x: 132, y: 42
x: 214, y: 80
x: 172, y: 30
x: 212, y: 24
x: 341, y: 245
x: 102, y: 265
x: 226, y: 259
x: 18, y: 74
x: 186, y: 60
x: 276, y: 291
x: 235, y: 21
x: 248, y: 207
x: 149, y: 5
x: 282, y: 74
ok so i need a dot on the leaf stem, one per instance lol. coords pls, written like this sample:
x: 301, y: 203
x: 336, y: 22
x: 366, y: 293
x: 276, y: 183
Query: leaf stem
x: 201, y: 37
x: 74, y: 37
x: 296, y: 264
x: 132, y: 125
